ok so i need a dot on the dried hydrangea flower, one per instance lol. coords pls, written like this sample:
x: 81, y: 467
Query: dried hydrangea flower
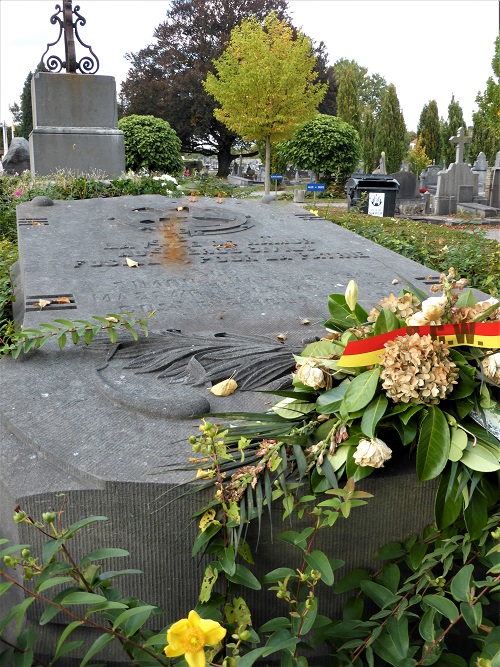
x: 402, y: 306
x: 372, y: 453
x: 417, y: 369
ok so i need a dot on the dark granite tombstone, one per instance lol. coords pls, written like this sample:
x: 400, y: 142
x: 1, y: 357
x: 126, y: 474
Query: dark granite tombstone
x: 408, y: 185
x: 108, y: 424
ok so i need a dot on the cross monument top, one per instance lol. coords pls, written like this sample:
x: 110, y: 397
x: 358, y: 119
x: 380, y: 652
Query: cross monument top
x: 460, y: 140
x: 68, y: 28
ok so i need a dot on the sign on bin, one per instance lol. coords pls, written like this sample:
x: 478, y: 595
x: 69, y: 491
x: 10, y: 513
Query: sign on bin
x: 315, y: 187
x: 376, y: 204
x: 276, y: 177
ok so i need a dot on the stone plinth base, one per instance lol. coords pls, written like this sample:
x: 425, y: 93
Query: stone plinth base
x: 75, y: 125
x: 79, y: 150
x: 445, y: 205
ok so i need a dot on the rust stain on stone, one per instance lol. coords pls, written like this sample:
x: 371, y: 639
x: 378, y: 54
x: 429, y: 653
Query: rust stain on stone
x: 174, y: 252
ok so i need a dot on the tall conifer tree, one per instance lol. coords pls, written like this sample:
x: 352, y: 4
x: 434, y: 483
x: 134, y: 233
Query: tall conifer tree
x: 390, y: 135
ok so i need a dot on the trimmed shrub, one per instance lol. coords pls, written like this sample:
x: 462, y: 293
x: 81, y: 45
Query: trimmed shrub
x: 150, y: 143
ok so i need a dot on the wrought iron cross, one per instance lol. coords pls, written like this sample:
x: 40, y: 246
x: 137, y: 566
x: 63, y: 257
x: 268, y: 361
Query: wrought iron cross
x: 88, y: 64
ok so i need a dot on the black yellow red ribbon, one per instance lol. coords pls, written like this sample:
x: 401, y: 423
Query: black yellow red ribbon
x: 474, y: 334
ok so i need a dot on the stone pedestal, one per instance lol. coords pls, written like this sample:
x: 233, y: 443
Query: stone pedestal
x: 75, y: 125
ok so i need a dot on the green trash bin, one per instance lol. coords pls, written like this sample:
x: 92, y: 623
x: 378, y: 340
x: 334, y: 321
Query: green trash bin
x: 374, y: 194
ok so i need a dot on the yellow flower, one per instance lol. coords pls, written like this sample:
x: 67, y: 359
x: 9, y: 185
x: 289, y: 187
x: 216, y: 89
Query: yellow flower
x: 189, y: 636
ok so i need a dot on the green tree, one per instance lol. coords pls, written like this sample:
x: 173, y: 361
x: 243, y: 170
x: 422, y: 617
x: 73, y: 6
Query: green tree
x: 150, y: 143
x: 449, y: 129
x: 165, y: 78
x: 486, y: 120
x: 265, y: 83
x: 370, y: 88
x: 348, y: 100
x: 429, y: 129
x: 390, y: 135
x: 22, y: 112
x: 367, y: 135
x: 325, y: 144
x: 417, y: 158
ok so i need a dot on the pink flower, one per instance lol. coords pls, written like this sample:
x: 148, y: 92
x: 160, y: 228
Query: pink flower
x: 19, y: 192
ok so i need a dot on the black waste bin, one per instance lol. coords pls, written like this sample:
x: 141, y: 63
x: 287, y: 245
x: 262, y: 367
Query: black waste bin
x: 372, y: 193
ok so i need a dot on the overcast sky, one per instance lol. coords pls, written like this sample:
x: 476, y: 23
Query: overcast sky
x: 429, y: 49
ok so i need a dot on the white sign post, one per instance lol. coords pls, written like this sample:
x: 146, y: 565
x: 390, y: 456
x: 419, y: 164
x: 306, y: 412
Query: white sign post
x: 376, y: 204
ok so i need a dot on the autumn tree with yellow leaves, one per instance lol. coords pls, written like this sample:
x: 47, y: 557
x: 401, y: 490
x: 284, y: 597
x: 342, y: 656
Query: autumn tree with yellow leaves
x: 265, y: 83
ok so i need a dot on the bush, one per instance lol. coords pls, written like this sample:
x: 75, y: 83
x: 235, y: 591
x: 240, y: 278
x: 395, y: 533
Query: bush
x: 325, y: 144
x: 150, y: 143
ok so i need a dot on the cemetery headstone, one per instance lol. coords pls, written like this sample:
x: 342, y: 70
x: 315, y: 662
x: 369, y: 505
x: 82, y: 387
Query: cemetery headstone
x: 17, y: 158
x: 494, y: 193
x: 408, y: 185
x: 232, y: 286
x: 458, y: 183
x: 75, y: 119
x: 480, y: 167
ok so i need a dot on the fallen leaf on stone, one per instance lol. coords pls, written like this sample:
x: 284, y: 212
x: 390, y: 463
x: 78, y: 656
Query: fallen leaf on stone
x: 229, y: 245
x: 224, y: 388
x: 395, y: 281
x: 218, y: 246
x: 111, y: 319
x: 61, y: 299
x: 180, y: 208
x: 219, y: 201
x: 282, y: 337
x: 41, y: 303
x: 305, y: 321
x: 130, y: 262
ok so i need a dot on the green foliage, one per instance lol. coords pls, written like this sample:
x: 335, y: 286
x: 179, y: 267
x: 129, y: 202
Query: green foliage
x: 348, y: 105
x: 77, y: 589
x: 390, y: 135
x: 417, y: 158
x: 486, y: 130
x: 449, y: 129
x: 472, y: 255
x: 430, y: 131
x: 265, y: 82
x: 151, y: 144
x: 165, y: 77
x: 25, y: 340
x: 367, y: 135
x: 325, y: 144
x: 370, y: 88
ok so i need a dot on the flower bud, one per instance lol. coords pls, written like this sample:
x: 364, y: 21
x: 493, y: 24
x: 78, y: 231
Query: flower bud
x: 49, y: 517
x: 8, y: 561
x: 244, y: 635
x: 25, y: 553
x: 19, y: 517
x: 351, y: 294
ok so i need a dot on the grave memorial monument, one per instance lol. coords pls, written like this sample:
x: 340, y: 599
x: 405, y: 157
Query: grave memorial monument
x: 458, y: 183
x: 236, y: 288
x: 75, y: 119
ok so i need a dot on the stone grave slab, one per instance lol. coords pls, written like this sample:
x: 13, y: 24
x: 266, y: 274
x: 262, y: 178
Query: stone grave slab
x: 231, y: 285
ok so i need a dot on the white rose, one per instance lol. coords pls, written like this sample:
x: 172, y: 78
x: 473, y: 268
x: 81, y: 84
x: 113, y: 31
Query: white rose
x: 433, y: 307
x: 492, y: 365
x: 417, y: 320
x: 311, y: 376
x: 372, y: 453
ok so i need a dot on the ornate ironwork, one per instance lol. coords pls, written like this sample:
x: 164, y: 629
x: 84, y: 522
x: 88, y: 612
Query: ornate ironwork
x: 68, y: 27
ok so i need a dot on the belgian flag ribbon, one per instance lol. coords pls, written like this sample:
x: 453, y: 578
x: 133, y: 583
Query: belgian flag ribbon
x: 474, y: 334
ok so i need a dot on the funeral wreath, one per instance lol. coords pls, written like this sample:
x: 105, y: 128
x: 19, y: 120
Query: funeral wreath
x: 417, y: 378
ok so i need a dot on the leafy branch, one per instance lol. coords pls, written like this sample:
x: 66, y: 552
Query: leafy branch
x: 25, y: 340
